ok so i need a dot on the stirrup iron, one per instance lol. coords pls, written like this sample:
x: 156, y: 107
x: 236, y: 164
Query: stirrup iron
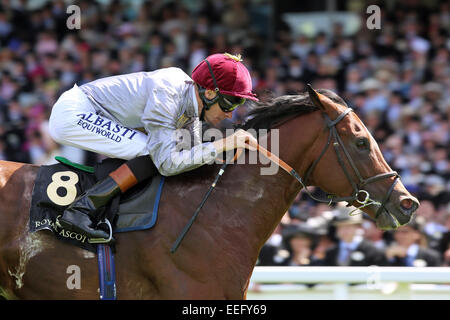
x: 102, y: 240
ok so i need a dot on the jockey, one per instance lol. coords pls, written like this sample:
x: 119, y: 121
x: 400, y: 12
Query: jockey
x: 134, y: 117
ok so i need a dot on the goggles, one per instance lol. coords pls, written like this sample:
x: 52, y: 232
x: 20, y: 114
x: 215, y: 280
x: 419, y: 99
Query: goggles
x: 226, y: 102
x: 229, y: 103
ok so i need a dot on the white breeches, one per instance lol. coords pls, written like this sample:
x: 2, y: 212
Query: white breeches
x: 74, y: 121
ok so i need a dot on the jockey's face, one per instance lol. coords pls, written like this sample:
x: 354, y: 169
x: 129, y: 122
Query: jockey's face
x: 215, y: 114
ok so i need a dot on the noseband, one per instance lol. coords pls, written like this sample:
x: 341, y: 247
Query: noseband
x: 336, y: 141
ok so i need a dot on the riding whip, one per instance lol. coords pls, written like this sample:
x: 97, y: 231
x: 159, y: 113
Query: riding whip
x: 194, y: 216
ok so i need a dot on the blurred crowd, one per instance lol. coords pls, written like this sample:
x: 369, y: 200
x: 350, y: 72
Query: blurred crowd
x: 396, y: 78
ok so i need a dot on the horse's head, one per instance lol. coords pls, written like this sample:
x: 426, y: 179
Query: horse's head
x: 347, y: 162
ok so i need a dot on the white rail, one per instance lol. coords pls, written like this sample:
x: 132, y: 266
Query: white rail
x: 366, y: 283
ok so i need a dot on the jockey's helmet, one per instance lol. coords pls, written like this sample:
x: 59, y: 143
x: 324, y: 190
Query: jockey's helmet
x: 228, y: 77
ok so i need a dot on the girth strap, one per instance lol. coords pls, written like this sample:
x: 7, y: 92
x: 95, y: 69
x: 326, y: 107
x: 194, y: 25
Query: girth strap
x: 106, y: 272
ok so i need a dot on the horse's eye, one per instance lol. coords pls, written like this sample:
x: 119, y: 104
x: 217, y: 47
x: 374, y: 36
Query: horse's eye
x: 362, y: 144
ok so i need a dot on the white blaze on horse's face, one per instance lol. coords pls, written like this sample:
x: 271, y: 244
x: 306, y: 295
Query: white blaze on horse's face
x: 360, y: 168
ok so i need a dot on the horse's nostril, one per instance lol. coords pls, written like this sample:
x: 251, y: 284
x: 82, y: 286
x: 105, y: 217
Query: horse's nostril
x: 409, y: 205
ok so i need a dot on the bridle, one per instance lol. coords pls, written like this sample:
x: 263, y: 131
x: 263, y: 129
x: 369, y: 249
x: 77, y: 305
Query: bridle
x: 336, y: 141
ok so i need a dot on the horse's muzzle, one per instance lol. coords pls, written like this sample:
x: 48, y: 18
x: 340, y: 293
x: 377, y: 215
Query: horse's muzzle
x: 397, y: 213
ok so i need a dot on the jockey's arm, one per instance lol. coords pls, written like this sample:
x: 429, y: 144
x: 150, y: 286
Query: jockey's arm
x: 163, y: 150
x: 159, y: 119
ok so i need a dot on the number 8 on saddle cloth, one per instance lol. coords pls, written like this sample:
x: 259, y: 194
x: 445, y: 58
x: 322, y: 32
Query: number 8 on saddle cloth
x: 57, y: 186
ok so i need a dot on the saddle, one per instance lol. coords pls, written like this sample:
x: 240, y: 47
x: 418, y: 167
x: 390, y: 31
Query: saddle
x: 56, y: 187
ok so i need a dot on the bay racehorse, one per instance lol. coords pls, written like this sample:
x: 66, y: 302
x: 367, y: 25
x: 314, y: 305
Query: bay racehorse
x: 326, y: 145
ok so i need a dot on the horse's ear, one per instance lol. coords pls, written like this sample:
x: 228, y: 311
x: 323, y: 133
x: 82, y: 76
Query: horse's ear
x: 313, y: 95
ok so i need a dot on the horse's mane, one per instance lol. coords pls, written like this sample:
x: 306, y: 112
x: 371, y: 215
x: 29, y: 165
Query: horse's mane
x: 265, y: 114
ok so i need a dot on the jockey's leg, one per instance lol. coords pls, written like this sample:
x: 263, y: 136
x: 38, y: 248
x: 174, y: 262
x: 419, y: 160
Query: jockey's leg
x: 75, y: 122
x: 84, y: 213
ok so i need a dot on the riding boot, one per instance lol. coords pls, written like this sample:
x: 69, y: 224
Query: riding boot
x: 84, y: 214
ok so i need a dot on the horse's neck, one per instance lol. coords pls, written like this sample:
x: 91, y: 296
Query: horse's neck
x: 261, y: 199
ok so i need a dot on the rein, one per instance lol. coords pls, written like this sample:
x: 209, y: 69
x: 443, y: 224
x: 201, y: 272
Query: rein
x: 335, y: 139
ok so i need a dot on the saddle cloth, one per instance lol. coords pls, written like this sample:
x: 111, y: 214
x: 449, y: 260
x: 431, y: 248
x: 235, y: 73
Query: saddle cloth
x: 56, y: 186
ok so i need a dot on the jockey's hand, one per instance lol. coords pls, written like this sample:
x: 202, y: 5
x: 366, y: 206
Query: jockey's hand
x: 239, y: 139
